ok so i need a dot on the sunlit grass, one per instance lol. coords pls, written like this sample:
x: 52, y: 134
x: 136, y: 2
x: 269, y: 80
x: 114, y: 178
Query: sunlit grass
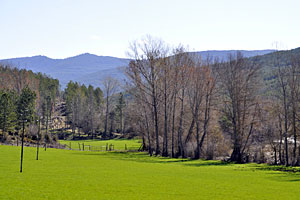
x: 65, y: 174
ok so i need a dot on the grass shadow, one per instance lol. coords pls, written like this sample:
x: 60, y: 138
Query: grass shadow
x: 207, y: 163
x: 133, y: 156
x: 277, y: 173
x: 143, y: 157
x: 280, y: 168
x: 280, y: 173
x: 285, y: 177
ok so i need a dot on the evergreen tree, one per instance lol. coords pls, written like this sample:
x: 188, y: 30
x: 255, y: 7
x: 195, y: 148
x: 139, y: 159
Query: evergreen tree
x: 25, y: 111
x: 7, y: 111
x: 26, y: 105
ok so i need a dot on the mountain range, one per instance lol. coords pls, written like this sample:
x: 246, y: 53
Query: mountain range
x: 91, y: 69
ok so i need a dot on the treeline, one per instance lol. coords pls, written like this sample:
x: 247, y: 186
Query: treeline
x: 27, y: 96
x: 93, y: 112
x: 83, y: 107
x: 187, y: 107
x: 179, y: 104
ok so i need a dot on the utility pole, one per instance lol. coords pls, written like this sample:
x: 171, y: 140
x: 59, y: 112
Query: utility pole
x: 38, y: 138
x: 22, y: 145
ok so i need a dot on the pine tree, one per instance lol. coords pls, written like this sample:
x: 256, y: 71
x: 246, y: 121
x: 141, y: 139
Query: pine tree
x: 7, y: 112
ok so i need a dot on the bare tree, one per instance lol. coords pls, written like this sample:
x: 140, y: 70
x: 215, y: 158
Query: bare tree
x: 209, y: 93
x: 196, y: 96
x: 144, y: 70
x: 238, y: 81
x: 282, y: 80
x: 184, y: 63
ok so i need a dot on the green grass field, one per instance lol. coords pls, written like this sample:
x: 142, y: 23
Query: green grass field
x: 65, y: 174
x: 119, y: 144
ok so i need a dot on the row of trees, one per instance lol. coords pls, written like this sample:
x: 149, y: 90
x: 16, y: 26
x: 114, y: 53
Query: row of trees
x: 91, y: 111
x: 83, y: 107
x: 175, y: 93
x: 190, y: 107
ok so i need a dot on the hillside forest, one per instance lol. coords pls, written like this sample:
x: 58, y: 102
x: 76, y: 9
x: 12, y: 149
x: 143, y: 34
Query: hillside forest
x: 180, y: 105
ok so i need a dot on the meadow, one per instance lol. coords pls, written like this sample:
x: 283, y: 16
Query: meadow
x: 67, y: 174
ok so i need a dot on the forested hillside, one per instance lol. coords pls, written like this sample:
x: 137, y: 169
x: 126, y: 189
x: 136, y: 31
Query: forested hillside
x: 86, y: 68
x: 25, y: 97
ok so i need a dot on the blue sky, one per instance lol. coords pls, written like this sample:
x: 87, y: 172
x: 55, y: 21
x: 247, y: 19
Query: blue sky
x: 64, y: 28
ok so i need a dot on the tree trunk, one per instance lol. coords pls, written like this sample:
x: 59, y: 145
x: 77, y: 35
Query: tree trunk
x: 173, y: 126
x: 165, y: 146
x: 206, y: 120
x: 236, y: 155
x: 189, y: 134
x: 157, y: 150
x: 46, y: 135
x: 148, y: 135
x: 121, y: 120
x: 286, y: 132
x: 295, y: 136
x: 280, y: 142
x: 275, y: 156
x: 21, y: 169
x: 197, y: 150
x: 38, y: 139
x: 180, y: 131
x: 106, y: 117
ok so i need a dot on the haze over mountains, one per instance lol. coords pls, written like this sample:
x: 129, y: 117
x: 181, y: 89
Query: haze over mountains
x: 91, y: 69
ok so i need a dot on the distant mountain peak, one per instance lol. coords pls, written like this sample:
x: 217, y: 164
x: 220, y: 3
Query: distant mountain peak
x: 88, y: 68
x: 41, y: 57
x: 85, y: 68
x: 87, y: 54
